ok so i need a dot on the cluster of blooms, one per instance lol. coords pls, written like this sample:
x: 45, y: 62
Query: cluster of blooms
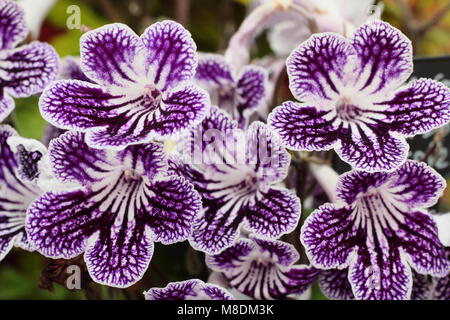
x: 107, y: 187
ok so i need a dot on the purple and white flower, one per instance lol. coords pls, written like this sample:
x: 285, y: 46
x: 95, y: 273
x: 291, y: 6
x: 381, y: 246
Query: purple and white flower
x: 18, y: 189
x: 141, y: 87
x: 240, y: 96
x: 380, y: 231
x: 188, y: 290
x: 236, y: 173
x: 350, y: 100
x: 263, y: 269
x: 124, y: 203
x: 24, y: 70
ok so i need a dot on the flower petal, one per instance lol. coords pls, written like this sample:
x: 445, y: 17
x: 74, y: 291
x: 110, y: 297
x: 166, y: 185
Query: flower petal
x: 329, y: 237
x: 28, y: 69
x: 213, y: 71
x: 303, y: 127
x: 266, y: 154
x: 317, y: 67
x: 71, y: 69
x: 180, y: 111
x: 13, y: 28
x: 172, y: 206
x: 59, y: 224
x: 417, y: 185
x: 284, y: 253
x: 420, y: 107
x: 251, y: 88
x: 110, y: 55
x: 119, y: 255
x: 171, y: 54
x: 74, y: 104
x: 419, y: 239
x: 373, y: 151
x: 273, y: 213
x: 335, y: 285
x: 231, y: 257
x: 6, y: 106
x: 188, y: 290
x: 380, y: 274
x: 384, y: 56
x: 73, y: 161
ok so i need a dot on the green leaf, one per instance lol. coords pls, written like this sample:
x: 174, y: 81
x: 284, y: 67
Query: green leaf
x: 28, y: 119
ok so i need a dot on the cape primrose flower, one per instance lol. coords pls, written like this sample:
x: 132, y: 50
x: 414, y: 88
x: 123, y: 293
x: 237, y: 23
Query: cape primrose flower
x: 350, y: 100
x: 24, y: 70
x: 188, y: 290
x: 240, y: 96
x: 236, y: 173
x: 380, y: 231
x: 19, y: 169
x: 125, y: 203
x: 141, y: 88
x: 263, y: 269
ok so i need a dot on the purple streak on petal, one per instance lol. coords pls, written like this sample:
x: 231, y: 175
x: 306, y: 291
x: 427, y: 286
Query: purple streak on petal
x: 335, y: 285
x: 74, y: 104
x: 355, y: 183
x: 374, y: 151
x: 422, y: 287
x: 12, y: 26
x: 420, y: 107
x: 417, y: 185
x: 251, y: 90
x: 171, y: 54
x: 120, y: 254
x: 303, y: 127
x: 216, y: 293
x: 384, y: 56
x: 213, y: 71
x: 72, y: 160
x: 418, y: 238
x: 28, y: 163
x: 172, y: 206
x: 316, y: 65
x: 28, y: 69
x: 380, y: 273
x: 266, y: 154
x: 231, y: 257
x: 59, y: 224
x: 109, y: 55
x: 329, y: 236
x: 274, y: 212
x: 442, y: 288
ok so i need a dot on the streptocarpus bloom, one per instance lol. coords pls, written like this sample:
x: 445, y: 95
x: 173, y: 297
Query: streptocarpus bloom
x: 236, y: 173
x: 25, y: 70
x: 350, y: 100
x: 16, y: 194
x: 125, y: 203
x: 188, y: 290
x: 263, y: 269
x: 380, y: 231
x: 141, y: 88
x: 240, y: 96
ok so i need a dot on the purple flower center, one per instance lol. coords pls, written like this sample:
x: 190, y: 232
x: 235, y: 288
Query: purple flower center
x: 152, y: 96
x: 347, y: 111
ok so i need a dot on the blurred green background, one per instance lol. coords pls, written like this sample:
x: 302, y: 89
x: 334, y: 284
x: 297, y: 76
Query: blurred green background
x: 211, y: 22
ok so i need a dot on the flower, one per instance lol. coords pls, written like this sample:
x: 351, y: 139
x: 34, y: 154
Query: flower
x: 18, y: 189
x: 27, y: 69
x: 125, y: 203
x: 349, y: 103
x: 236, y: 173
x: 380, y: 231
x: 291, y: 28
x: 188, y: 290
x: 263, y: 269
x: 240, y: 96
x: 142, y: 87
